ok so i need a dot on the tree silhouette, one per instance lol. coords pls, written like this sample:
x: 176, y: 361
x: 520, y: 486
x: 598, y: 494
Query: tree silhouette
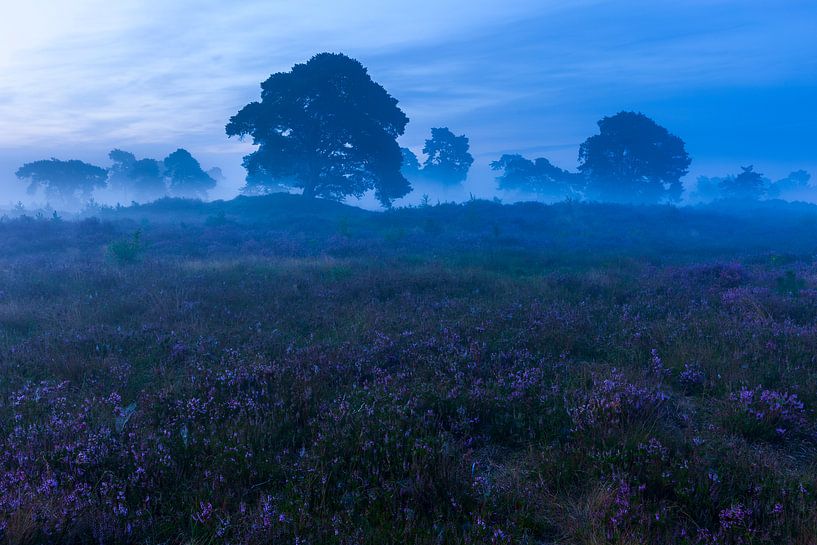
x: 538, y: 176
x: 70, y: 181
x: 411, y: 165
x: 185, y: 176
x: 746, y: 186
x: 633, y: 159
x: 448, y: 159
x: 707, y: 189
x: 325, y: 127
x: 794, y: 186
x: 137, y: 179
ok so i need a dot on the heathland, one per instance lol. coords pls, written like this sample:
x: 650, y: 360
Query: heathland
x: 280, y: 369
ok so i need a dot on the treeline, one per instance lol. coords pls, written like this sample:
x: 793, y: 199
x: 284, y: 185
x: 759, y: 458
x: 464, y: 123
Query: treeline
x: 326, y: 129
x: 754, y: 186
x: 73, y: 183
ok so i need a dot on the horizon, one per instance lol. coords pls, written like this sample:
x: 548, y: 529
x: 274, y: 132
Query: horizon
x: 736, y: 81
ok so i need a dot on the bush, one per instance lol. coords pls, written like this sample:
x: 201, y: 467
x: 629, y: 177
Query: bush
x: 127, y: 250
x: 768, y: 414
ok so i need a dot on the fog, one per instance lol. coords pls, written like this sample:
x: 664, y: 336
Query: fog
x: 733, y: 79
x: 432, y: 271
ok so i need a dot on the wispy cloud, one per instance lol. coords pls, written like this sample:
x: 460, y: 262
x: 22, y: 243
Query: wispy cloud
x: 530, y: 74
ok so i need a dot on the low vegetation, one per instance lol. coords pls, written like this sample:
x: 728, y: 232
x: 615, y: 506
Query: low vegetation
x: 272, y: 369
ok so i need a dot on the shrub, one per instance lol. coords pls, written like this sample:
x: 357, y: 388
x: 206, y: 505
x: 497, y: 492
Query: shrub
x: 127, y: 250
x: 767, y: 414
x: 789, y: 284
x: 614, y: 403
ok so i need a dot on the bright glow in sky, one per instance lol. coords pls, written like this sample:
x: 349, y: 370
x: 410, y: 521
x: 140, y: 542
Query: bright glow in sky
x: 736, y: 79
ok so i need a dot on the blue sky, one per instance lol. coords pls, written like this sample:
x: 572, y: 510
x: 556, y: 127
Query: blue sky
x: 736, y: 79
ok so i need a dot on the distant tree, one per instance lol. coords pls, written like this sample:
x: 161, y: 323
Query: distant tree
x: 148, y: 183
x: 538, y: 176
x: 137, y: 179
x: 707, y: 189
x: 217, y: 174
x: 448, y: 159
x: 746, y: 186
x: 185, y: 177
x: 325, y: 127
x: 792, y: 187
x: 411, y: 165
x: 633, y: 159
x: 119, y: 172
x: 71, y: 182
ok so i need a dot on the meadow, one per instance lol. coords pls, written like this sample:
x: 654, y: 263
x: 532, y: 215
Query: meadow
x: 278, y: 370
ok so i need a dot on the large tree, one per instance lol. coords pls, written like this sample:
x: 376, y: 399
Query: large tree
x: 411, y: 165
x: 137, y: 179
x: 633, y: 159
x: 71, y: 182
x: 539, y: 176
x: 325, y: 127
x: 447, y: 157
x: 185, y: 177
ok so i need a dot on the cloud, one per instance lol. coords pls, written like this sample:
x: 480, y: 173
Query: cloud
x: 530, y: 75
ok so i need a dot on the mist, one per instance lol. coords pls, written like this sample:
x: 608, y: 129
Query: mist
x: 461, y: 272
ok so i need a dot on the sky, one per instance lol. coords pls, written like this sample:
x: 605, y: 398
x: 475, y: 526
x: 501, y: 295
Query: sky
x: 736, y: 79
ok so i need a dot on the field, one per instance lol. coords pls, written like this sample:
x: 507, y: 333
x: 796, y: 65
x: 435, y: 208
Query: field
x: 273, y: 370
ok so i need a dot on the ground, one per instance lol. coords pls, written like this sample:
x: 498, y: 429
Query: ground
x: 274, y: 370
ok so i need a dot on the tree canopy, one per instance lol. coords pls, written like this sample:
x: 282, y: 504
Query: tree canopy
x: 447, y: 157
x: 327, y: 128
x: 794, y: 186
x: 749, y: 185
x: 411, y: 165
x: 633, y: 159
x: 138, y: 179
x: 185, y: 177
x: 539, y: 176
x: 70, y: 181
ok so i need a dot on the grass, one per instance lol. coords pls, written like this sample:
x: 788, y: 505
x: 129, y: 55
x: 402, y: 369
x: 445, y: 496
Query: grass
x: 253, y: 381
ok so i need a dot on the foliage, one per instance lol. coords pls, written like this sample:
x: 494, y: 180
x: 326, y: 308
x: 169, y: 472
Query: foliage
x: 185, y: 177
x: 125, y: 251
x: 793, y: 187
x: 746, y: 186
x: 589, y: 374
x: 538, y: 176
x: 633, y: 159
x: 327, y: 128
x: 72, y: 182
x: 410, y: 165
x: 707, y: 189
x: 768, y: 414
x: 139, y: 179
x: 447, y: 157
x: 790, y: 284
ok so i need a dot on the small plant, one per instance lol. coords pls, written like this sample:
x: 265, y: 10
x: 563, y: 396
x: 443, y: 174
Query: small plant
x: 789, y: 284
x: 692, y: 377
x: 768, y: 414
x: 127, y: 250
x: 615, y: 402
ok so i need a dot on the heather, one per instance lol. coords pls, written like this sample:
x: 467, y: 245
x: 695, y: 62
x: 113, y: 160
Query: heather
x: 271, y: 370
